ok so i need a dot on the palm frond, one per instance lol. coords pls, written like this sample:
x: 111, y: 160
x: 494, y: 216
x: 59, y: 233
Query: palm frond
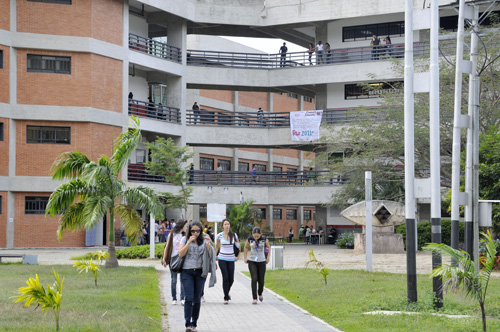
x: 125, y: 144
x: 65, y: 195
x: 71, y: 219
x: 95, y: 208
x: 69, y: 165
x: 97, y: 171
x: 131, y: 220
x: 145, y: 198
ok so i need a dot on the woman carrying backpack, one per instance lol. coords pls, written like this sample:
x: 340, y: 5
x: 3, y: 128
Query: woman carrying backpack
x: 171, y: 249
x: 226, y: 245
x: 259, y: 257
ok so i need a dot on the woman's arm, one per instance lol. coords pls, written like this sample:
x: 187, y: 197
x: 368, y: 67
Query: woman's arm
x: 184, y: 247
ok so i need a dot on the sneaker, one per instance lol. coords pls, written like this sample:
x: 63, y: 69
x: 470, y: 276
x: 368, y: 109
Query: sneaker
x: 189, y: 329
x: 261, y: 298
x: 254, y: 302
x: 202, y: 299
x: 174, y: 302
x: 226, y: 302
x: 182, y: 302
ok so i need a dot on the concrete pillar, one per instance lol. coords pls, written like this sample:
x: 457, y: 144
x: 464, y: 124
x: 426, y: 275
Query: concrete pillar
x: 322, y: 32
x: 11, y: 203
x: 270, y: 102
x: 125, y: 86
x: 321, y: 97
x: 301, y: 103
x: 177, y: 34
x: 321, y: 217
x: 300, y: 216
x: 270, y: 217
x: 236, y: 101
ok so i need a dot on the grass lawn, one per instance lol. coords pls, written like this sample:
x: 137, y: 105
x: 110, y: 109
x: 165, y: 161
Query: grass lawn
x: 350, y: 293
x: 127, y: 299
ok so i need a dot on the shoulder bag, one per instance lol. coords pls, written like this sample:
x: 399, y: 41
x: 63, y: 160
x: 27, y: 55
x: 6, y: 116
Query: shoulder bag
x: 176, y: 263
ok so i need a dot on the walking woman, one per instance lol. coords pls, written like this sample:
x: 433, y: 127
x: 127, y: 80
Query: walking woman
x: 171, y: 249
x: 224, y: 245
x: 199, y: 259
x: 257, y: 261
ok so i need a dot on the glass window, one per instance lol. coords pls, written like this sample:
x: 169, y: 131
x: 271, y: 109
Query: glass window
x: 1, y: 131
x: 277, y: 214
x: 49, y: 64
x: 260, y: 168
x: 260, y: 213
x: 307, y: 215
x: 61, y: 2
x: 365, y: 32
x: 203, y: 212
x: 1, y: 59
x: 277, y: 169
x: 373, y: 90
x: 243, y: 167
x: 0, y: 204
x: 48, y: 135
x: 140, y: 156
x: 225, y: 164
x: 207, y: 164
x: 35, y: 205
x: 291, y: 214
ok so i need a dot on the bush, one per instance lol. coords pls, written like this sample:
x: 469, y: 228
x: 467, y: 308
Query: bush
x: 135, y: 252
x: 424, y: 232
x: 346, y: 240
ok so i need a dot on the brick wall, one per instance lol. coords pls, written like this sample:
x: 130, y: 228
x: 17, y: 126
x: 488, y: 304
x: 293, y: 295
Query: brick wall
x: 89, y: 138
x: 253, y: 99
x: 100, y: 19
x: 5, y: 16
x: 95, y: 81
x: 4, y: 74
x: 38, y: 230
x: 3, y: 220
x: 222, y: 95
x: 283, y: 103
x: 4, y: 149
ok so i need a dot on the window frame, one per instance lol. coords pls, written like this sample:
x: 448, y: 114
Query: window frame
x: 276, y: 215
x: 308, y: 215
x: 291, y: 214
x: 355, y: 91
x: 225, y: 164
x: 203, y: 212
x: 1, y: 59
x: 1, y: 204
x: 42, y: 140
x: 58, y: 2
x: 35, y: 200
x: 31, y: 60
x: 204, y: 160
x: 1, y: 131
x: 366, y: 31
x: 244, y: 165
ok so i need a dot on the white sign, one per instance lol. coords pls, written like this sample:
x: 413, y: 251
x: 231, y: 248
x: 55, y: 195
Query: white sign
x: 216, y: 212
x: 305, y: 125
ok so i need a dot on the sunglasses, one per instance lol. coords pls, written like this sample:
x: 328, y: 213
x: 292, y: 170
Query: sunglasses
x: 195, y: 231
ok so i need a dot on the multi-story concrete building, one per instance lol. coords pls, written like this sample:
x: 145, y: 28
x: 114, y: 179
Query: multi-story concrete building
x: 67, y: 68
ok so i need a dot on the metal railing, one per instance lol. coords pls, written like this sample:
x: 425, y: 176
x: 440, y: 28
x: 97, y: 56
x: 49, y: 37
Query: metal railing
x: 300, y: 59
x: 137, y: 173
x: 155, y: 48
x: 154, y: 111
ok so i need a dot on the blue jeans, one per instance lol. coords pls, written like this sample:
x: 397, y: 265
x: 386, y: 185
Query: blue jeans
x: 173, y: 286
x: 193, y: 287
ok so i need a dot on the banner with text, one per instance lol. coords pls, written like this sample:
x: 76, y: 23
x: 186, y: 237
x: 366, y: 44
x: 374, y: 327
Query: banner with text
x: 216, y: 212
x: 305, y: 125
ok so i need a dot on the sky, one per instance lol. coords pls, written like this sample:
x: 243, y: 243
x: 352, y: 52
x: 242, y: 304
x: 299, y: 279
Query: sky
x: 267, y: 45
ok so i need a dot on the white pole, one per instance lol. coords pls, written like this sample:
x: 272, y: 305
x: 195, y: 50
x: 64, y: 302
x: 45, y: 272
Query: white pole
x: 409, y: 119
x: 455, y: 161
x: 368, y: 205
x: 151, y: 236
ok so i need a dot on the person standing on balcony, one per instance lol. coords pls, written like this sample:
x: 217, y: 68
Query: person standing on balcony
x: 319, y: 52
x: 328, y: 52
x: 196, y: 111
x: 283, y: 50
x: 254, y: 174
x: 375, y: 43
x: 191, y: 174
x: 310, y: 51
x: 260, y: 116
x: 388, y: 47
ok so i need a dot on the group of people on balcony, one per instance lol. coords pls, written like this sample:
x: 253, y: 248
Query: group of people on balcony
x: 379, y: 49
x: 323, y: 53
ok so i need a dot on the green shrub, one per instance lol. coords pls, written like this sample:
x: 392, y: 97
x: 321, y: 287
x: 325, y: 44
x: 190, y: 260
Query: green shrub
x: 135, y: 252
x: 424, y: 232
x: 346, y: 240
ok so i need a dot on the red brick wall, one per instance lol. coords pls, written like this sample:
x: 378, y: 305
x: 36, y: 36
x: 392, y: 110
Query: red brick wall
x: 38, y: 230
x: 100, y: 19
x: 95, y: 81
x: 222, y: 95
x: 89, y: 138
x: 5, y: 16
x: 253, y: 99
x: 3, y: 220
x: 4, y: 149
x: 4, y: 74
x: 283, y: 103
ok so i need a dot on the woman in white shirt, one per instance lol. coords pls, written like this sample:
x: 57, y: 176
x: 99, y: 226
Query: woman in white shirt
x: 171, y: 249
x: 224, y: 245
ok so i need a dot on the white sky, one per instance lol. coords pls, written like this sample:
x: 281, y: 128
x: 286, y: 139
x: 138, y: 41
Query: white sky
x: 267, y: 45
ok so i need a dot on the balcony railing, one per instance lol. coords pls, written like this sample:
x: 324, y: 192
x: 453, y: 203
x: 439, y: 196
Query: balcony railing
x: 137, y: 173
x: 300, y: 59
x: 153, y: 111
x: 154, y: 48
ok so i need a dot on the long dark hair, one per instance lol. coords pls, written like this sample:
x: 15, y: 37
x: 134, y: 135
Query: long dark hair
x: 231, y: 234
x: 179, y: 226
x: 199, y: 239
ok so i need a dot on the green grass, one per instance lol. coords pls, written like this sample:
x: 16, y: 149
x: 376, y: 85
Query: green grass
x: 350, y: 293
x: 127, y: 299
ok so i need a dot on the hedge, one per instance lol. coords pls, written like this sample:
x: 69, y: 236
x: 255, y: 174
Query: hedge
x: 424, y: 232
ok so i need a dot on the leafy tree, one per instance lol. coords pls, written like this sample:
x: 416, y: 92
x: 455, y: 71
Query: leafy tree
x: 47, y: 299
x: 170, y: 161
x: 243, y: 218
x: 94, y: 190
x: 489, y: 173
x: 465, y: 276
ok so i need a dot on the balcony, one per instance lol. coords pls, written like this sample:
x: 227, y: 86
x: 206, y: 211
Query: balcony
x: 154, y: 111
x: 154, y: 48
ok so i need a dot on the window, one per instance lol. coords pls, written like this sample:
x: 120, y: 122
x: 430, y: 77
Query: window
x: 35, y: 205
x: 308, y: 99
x: 48, y: 135
x: 307, y: 215
x: 140, y: 156
x: 203, y: 212
x: 365, y: 32
x: 61, y: 2
x: 260, y: 213
x: 243, y: 167
x: 373, y: 90
x: 1, y: 59
x: 277, y: 214
x: 277, y: 169
x: 0, y: 204
x: 260, y: 168
x: 291, y: 214
x: 1, y: 131
x: 49, y: 64
x: 225, y: 164
x: 293, y: 95
x: 207, y: 164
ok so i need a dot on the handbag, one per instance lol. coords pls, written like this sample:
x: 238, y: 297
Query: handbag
x: 236, y: 249
x: 176, y: 263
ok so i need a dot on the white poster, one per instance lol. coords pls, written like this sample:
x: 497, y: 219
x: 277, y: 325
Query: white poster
x: 305, y: 125
x: 216, y: 212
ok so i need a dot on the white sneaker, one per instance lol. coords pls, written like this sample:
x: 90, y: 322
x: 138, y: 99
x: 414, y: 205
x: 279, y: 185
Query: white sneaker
x: 182, y: 302
x: 202, y: 299
x: 174, y: 302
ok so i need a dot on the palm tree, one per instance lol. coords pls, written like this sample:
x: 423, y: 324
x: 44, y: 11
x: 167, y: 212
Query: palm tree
x: 465, y: 275
x: 94, y: 190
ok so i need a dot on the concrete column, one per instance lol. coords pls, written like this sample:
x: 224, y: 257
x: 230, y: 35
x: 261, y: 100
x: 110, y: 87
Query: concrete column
x: 321, y: 216
x: 177, y: 34
x: 125, y: 87
x: 13, y: 15
x: 11, y: 208
x: 301, y: 103
x: 270, y: 159
x: 236, y: 101
x: 321, y: 97
x: 300, y: 216
x: 270, y: 102
x: 11, y: 203
x: 270, y: 217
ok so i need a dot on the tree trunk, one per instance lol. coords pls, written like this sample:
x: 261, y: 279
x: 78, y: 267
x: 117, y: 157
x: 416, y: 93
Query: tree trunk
x: 112, y: 262
x: 483, y: 316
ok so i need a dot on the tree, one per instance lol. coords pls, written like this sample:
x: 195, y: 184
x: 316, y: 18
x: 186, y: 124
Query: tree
x: 243, y: 218
x: 375, y: 140
x: 465, y: 276
x: 94, y: 190
x: 489, y: 173
x: 170, y: 161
